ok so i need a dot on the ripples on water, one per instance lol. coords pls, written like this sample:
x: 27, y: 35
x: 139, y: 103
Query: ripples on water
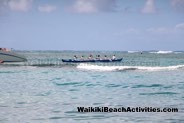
x: 53, y: 93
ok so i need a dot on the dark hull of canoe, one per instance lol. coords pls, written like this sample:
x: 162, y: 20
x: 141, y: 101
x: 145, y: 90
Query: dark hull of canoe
x: 84, y: 61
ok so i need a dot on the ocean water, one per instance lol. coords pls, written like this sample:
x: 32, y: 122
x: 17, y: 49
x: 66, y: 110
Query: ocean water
x: 45, y: 90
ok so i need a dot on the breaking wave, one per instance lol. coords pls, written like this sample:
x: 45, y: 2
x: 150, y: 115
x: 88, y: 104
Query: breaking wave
x: 162, y: 52
x: 133, y: 51
x: 124, y: 68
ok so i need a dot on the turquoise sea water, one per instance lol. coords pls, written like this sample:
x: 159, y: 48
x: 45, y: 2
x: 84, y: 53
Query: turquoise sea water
x: 45, y: 90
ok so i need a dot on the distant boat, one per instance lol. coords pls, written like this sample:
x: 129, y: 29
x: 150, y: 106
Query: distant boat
x: 10, y: 56
x: 91, y: 60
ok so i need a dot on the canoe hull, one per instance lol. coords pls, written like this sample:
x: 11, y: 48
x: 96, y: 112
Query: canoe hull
x: 85, y: 61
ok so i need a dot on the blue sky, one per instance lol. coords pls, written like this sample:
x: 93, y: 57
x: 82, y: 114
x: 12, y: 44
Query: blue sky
x: 92, y: 24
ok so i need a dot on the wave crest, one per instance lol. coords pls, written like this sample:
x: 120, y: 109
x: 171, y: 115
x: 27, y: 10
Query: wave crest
x: 162, y: 52
x: 124, y: 68
x: 133, y: 51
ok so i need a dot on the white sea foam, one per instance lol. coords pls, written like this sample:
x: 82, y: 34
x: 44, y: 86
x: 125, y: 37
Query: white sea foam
x: 121, y: 68
x: 133, y: 51
x: 178, y: 52
x: 162, y: 52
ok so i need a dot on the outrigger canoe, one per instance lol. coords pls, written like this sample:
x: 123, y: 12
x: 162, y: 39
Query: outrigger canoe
x: 91, y: 60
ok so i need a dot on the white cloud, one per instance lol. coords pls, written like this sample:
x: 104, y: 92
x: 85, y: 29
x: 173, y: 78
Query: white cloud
x: 160, y: 30
x: 91, y: 6
x: 1, y: 7
x: 20, y: 5
x: 149, y: 7
x: 133, y: 31
x: 180, y: 26
x: 84, y: 6
x: 47, y: 8
x: 178, y: 4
